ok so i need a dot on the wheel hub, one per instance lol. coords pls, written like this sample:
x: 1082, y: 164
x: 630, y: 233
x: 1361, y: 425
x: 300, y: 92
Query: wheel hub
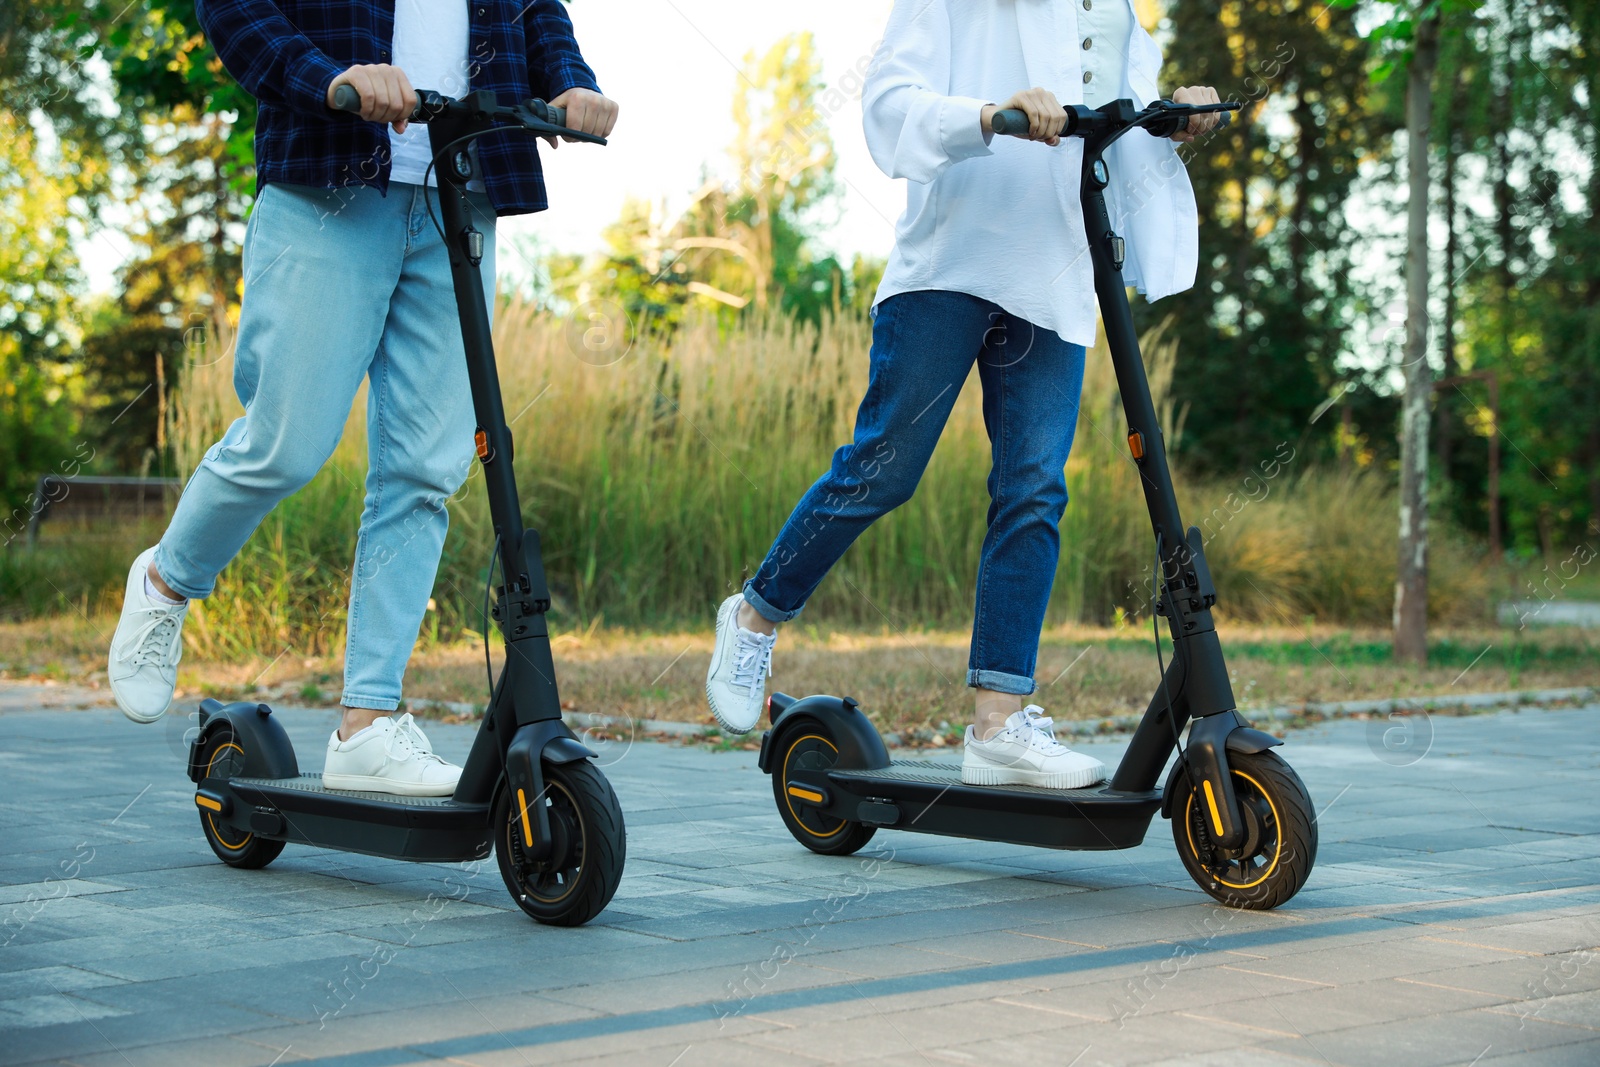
x: 554, y: 877
x: 1260, y: 838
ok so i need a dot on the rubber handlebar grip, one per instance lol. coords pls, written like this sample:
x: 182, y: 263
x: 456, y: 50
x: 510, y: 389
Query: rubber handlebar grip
x: 1011, y: 122
x: 555, y: 116
x: 1223, y: 118
x: 345, y: 98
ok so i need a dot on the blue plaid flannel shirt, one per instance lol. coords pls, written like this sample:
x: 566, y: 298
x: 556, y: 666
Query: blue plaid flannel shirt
x: 287, y: 52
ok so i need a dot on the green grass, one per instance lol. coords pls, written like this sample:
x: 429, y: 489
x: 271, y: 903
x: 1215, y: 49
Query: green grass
x: 658, y: 482
x: 1346, y: 652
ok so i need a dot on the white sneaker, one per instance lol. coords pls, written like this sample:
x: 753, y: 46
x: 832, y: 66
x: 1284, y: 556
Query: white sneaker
x: 736, y: 684
x: 390, y: 756
x: 1026, y: 752
x: 143, y: 663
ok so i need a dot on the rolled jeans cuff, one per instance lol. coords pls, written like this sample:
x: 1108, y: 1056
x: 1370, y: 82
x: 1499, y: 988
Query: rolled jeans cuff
x: 1001, y: 682
x: 351, y: 700
x: 173, y: 572
x: 766, y: 610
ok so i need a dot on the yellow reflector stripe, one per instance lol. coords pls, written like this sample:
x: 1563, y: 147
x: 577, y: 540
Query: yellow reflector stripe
x: 1216, y: 816
x: 527, y: 830
x: 207, y: 802
x: 805, y: 794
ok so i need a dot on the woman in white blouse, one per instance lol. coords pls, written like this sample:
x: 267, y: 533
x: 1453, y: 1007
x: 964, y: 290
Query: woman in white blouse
x: 990, y: 265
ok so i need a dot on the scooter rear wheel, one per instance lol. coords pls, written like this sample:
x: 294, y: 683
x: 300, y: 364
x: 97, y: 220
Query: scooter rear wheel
x: 1281, y: 834
x: 587, y: 848
x: 223, y: 758
x: 808, y: 746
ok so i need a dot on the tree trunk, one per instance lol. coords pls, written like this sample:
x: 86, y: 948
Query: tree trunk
x: 1447, y: 333
x: 1411, y: 584
x: 1502, y: 113
x: 1588, y: 369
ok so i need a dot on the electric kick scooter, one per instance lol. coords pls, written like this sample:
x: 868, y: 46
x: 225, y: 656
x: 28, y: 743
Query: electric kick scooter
x: 528, y: 790
x: 1241, y: 818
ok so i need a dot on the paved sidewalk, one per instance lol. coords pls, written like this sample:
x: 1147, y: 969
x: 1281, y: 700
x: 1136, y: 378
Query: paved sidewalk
x: 1453, y: 917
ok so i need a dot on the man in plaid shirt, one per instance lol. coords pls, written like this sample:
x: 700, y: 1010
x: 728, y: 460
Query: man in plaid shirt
x: 346, y: 280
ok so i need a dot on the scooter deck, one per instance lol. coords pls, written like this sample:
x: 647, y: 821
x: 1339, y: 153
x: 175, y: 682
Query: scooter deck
x: 930, y: 797
x: 432, y: 829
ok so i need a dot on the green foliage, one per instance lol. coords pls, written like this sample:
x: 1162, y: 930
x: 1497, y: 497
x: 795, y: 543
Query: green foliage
x: 747, y: 243
x: 163, y: 66
x: 38, y: 281
x: 1263, y: 331
x: 1524, y: 76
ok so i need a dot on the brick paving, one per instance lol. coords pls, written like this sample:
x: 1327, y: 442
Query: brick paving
x: 1453, y: 918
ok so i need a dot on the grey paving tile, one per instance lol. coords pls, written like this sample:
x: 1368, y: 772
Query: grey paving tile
x: 220, y: 1051
x: 118, y: 1033
x: 1140, y: 1040
x: 686, y: 1042
x: 714, y: 1052
x: 1579, y: 1054
x: 1311, y: 1011
x: 419, y: 1023
x: 1452, y: 915
x: 46, y: 1009
x: 886, y: 1033
x: 1434, y: 1040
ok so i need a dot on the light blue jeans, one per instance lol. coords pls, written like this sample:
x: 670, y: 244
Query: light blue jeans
x: 343, y: 285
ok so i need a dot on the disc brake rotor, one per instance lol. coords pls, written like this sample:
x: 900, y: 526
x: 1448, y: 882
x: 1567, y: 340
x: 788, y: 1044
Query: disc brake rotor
x: 1238, y: 865
x: 552, y: 878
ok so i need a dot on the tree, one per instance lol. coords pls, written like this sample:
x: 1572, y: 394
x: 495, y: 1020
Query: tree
x: 1411, y: 584
x: 39, y: 278
x: 195, y: 166
x: 1262, y: 334
x: 747, y: 242
x: 758, y: 229
x: 54, y: 145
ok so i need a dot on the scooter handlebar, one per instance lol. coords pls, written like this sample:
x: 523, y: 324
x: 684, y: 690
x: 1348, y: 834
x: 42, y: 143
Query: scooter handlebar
x: 347, y: 98
x: 1013, y: 122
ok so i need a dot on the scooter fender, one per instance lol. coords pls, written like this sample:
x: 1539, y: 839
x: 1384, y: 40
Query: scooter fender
x: 860, y: 747
x: 267, y: 751
x: 1210, y: 760
x: 532, y: 745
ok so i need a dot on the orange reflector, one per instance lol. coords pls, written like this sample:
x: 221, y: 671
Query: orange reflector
x: 482, y: 440
x: 527, y: 830
x: 1216, y: 813
x: 1136, y: 444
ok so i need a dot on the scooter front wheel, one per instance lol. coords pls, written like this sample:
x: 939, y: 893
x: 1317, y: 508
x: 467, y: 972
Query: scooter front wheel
x: 588, y: 845
x: 1280, y: 844
x: 223, y: 757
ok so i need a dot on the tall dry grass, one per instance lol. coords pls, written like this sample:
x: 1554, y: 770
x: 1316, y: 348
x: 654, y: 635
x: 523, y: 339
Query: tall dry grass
x: 658, y: 479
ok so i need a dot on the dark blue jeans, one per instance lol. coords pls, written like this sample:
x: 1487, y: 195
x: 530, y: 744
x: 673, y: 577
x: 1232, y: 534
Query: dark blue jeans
x: 923, y: 348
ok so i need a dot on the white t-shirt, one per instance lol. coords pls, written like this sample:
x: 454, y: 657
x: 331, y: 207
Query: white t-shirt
x: 430, y: 45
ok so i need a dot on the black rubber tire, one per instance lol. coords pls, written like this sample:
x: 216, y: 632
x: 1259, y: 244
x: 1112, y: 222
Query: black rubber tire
x: 589, y: 847
x: 820, y: 833
x: 1271, y: 867
x: 223, y: 758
